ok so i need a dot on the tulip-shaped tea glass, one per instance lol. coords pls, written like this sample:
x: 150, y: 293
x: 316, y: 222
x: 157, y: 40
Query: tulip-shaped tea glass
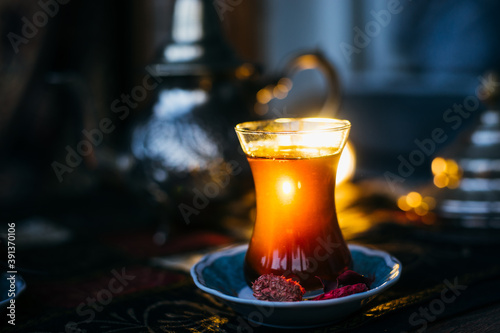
x: 296, y: 232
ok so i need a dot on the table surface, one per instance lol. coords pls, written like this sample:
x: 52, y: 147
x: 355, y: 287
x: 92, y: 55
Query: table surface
x: 118, y: 280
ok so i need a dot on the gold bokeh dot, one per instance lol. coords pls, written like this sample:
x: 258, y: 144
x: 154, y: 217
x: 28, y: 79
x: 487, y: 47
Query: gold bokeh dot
x: 438, y: 165
x: 413, y: 199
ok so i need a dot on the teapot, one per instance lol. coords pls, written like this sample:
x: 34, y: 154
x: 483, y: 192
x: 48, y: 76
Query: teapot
x: 185, y: 145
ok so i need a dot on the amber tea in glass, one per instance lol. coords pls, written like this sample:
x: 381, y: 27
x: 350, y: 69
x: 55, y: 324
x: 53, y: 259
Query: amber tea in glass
x: 296, y: 232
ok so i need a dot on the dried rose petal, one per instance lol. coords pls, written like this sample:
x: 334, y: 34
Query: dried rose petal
x: 342, y: 292
x: 273, y: 288
x: 328, y: 285
x: 351, y: 277
x: 347, y: 283
x: 345, y: 279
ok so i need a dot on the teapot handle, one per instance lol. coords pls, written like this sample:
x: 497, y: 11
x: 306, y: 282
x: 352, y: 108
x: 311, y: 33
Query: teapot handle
x: 316, y: 60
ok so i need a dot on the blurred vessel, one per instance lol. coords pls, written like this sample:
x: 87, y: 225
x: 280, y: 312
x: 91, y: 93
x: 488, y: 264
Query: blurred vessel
x: 185, y: 145
x: 475, y: 202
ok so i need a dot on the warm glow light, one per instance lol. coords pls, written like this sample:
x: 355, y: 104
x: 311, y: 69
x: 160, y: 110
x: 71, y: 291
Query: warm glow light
x: 422, y: 209
x: 315, y: 144
x: 286, y: 190
x: 402, y: 204
x: 280, y: 91
x: 413, y: 199
x: 287, y: 187
x: 264, y: 96
x: 441, y: 180
x: 438, y: 165
x: 347, y: 164
x: 417, y: 208
x: 453, y: 182
x: 447, y: 173
x: 244, y: 71
x: 308, y: 62
x: 452, y: 167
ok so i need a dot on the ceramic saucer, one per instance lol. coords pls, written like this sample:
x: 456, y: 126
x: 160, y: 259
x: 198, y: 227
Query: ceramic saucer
x: 221, y: 274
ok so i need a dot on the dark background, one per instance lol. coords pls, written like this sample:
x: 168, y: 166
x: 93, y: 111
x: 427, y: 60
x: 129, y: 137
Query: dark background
x: 65, y: 77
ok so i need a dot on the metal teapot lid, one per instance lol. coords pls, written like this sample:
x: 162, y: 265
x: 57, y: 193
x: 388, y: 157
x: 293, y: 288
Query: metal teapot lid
x: 196, y: 43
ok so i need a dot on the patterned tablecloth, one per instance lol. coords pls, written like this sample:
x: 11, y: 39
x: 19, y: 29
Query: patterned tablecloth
x: 122, y: 282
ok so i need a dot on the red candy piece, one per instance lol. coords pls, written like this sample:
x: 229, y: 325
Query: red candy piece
x: 273, y: 288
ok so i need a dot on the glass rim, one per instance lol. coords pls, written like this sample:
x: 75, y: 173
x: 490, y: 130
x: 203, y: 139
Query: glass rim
x: 337, y: 125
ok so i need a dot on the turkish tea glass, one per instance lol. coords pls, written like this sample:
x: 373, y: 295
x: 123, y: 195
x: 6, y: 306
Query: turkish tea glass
x: 296, y: 231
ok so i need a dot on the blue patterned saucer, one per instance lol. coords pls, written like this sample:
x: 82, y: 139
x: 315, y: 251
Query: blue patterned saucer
x: 221, y: 274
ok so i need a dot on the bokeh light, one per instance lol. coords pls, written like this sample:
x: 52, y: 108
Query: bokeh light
x: 417, y: 207
x: 447, y: 173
